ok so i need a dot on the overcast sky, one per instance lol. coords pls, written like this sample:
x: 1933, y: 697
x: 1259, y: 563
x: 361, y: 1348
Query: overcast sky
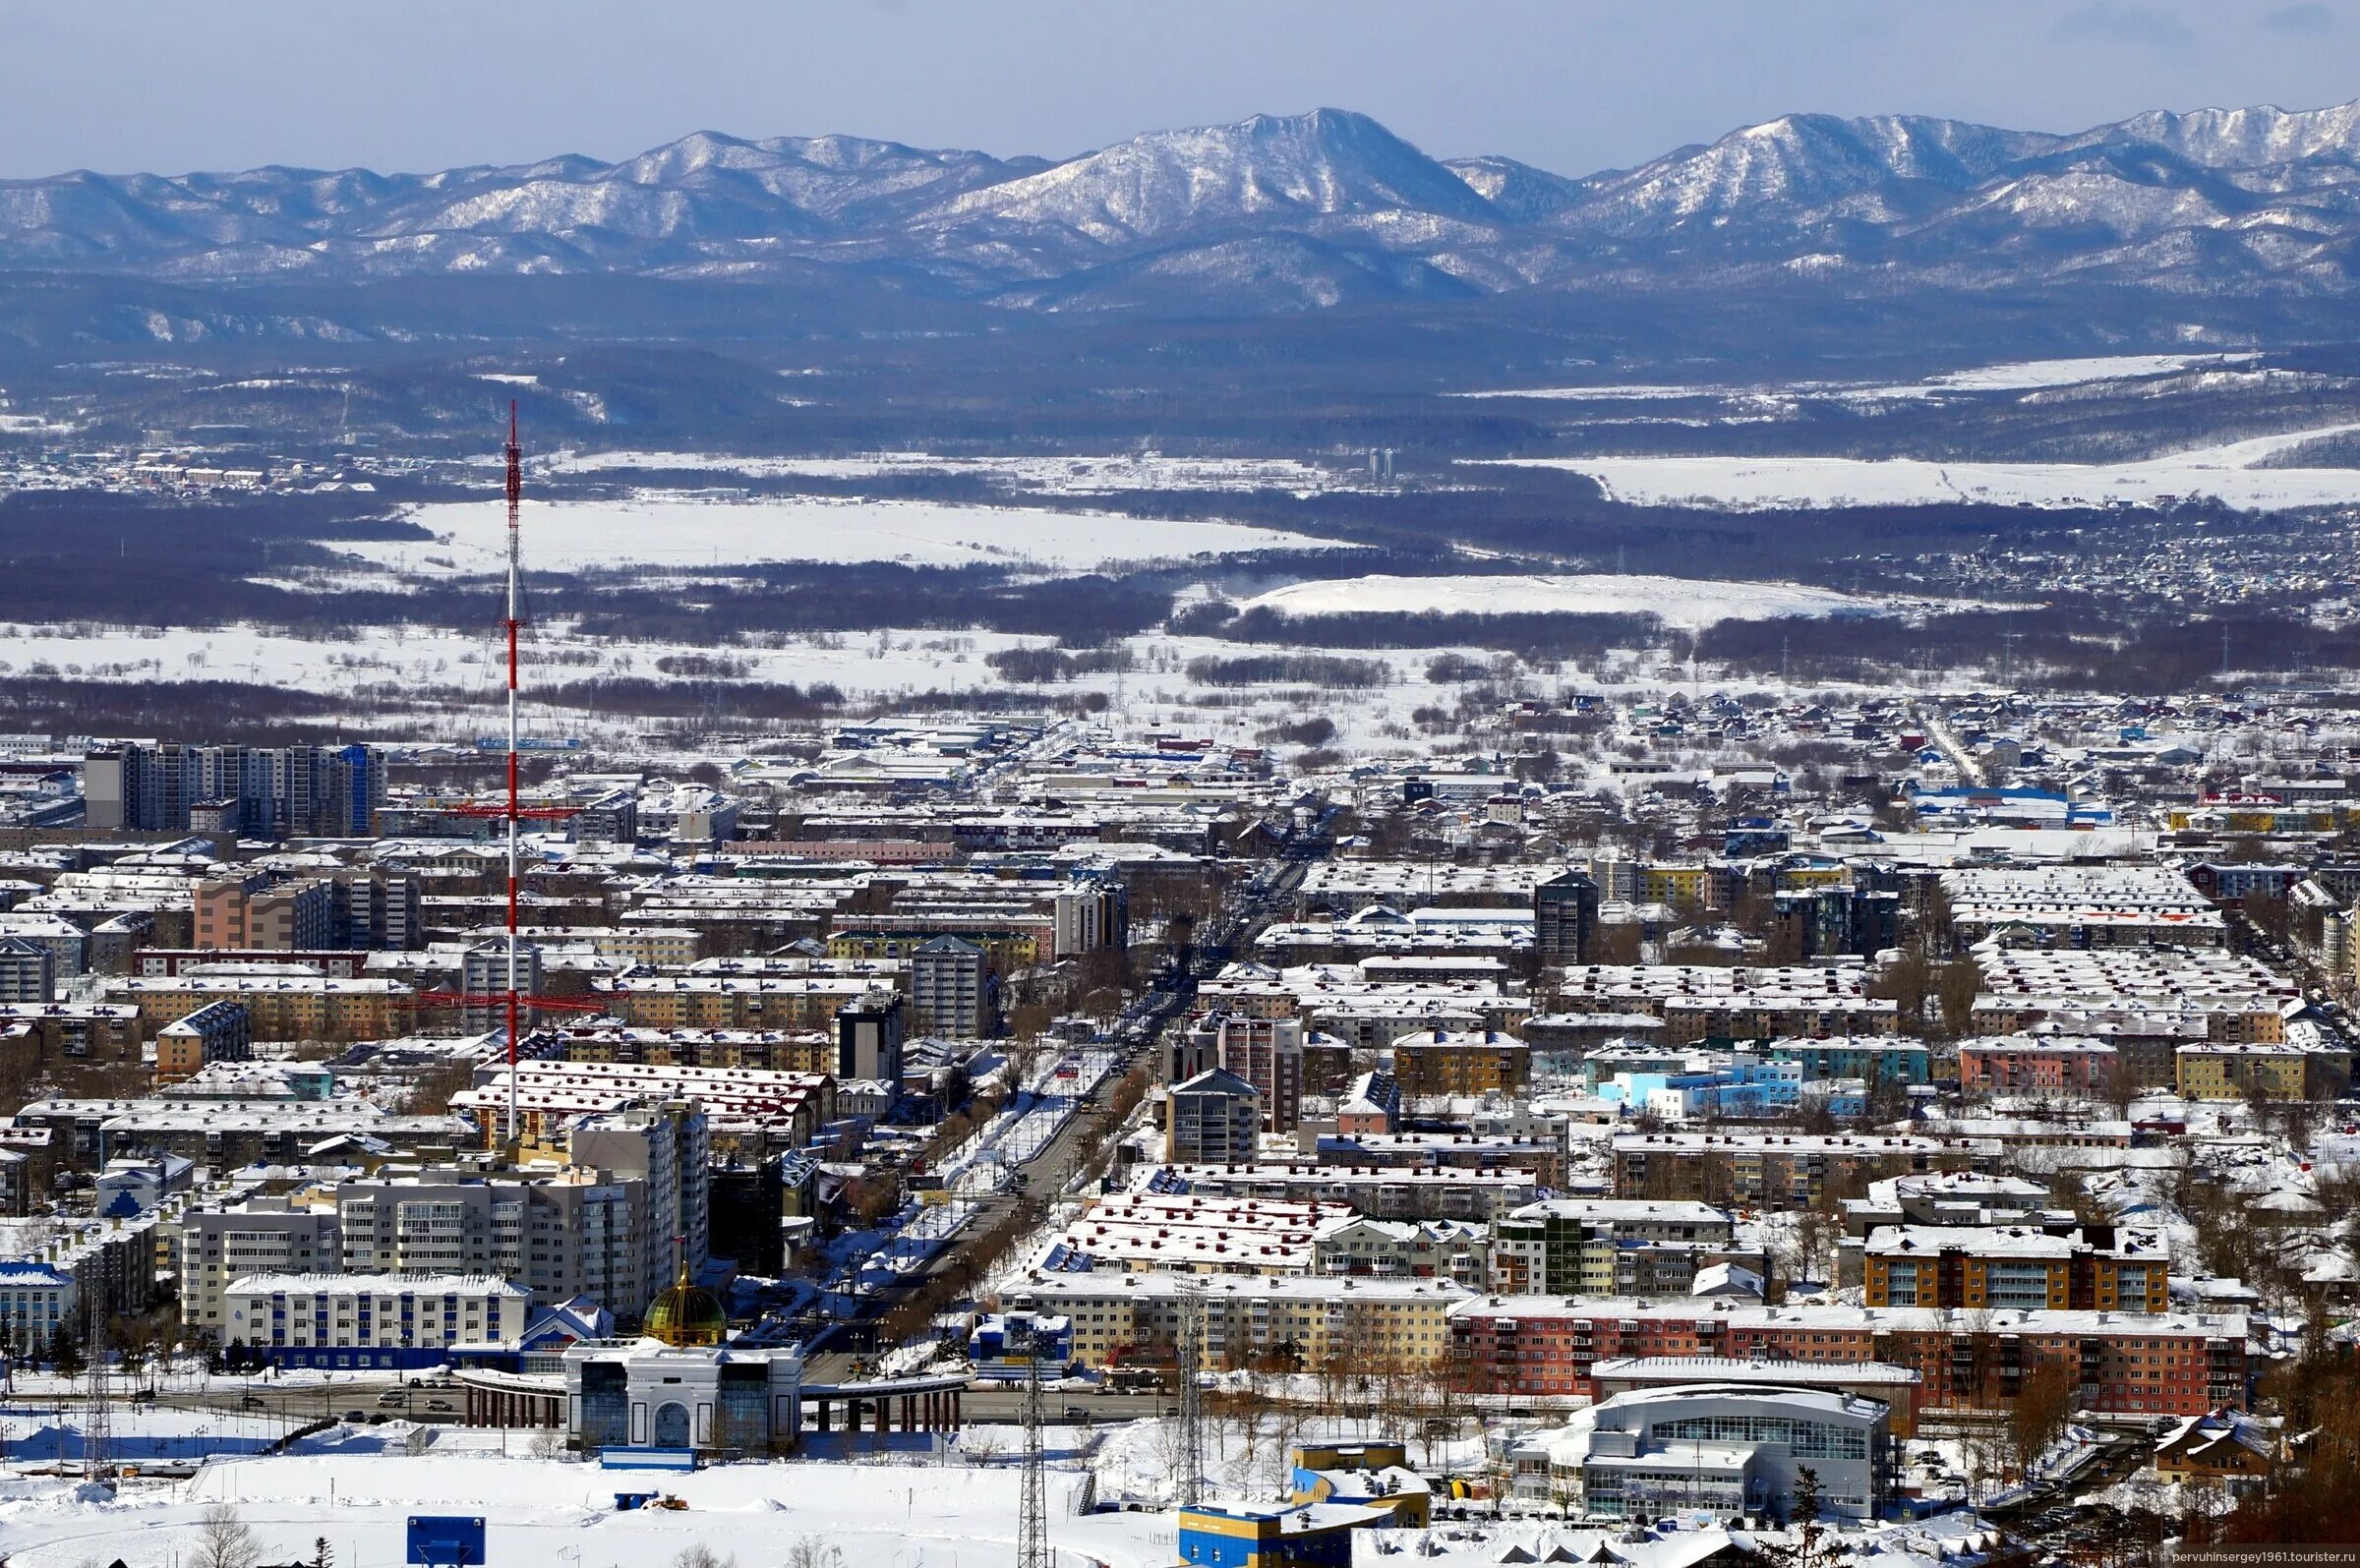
x: 1571, y: 85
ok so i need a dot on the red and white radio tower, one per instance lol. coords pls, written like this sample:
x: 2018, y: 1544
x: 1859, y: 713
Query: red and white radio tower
x: 513, y: 619
x: 515, y: 1005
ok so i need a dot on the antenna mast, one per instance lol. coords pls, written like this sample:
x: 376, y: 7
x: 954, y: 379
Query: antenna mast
x: 1189, y: 1353
x: 1032, y: 1526
x: 97, y: 1426
x: 516, y: 456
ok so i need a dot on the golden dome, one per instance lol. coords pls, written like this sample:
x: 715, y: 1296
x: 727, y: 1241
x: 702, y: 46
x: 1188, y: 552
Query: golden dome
x: 685, y: 1315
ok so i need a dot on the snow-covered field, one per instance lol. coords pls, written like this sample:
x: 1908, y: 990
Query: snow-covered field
x: 2019, y: 376
x: 2223, y: 473
x: 547, y: 1514
x: 396, y: 674
x: 676, y: 530
x: 1068, y: 475
x: 416, y: 659
x: 34, y: 1437
x: 1678, y: 600
x: 1636, y: 392
x: 2024, y: 376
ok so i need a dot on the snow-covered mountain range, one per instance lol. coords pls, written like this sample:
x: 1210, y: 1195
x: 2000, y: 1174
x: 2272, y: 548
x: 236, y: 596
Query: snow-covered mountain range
x: 1283, y: 212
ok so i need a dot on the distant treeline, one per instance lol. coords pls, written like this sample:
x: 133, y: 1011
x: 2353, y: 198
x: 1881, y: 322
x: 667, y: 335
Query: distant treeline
x: 1307, y: 669
x: 216, y: 710
x: 1034, y: 667
x: 1541, y: 634
x: 2076, y: 644
x: 81, y: 555
x: 864, y: 597
x: 671, y: 699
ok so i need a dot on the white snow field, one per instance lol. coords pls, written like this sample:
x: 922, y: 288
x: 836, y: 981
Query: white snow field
x: 2019, y: 376
x: 543, y: 1513
x: 413, y: 660
x: 2027, y: 375
x: 1637, y: 392
x: 1688, y: 602
x: 1752, y: 484
x: 1068, y: 475
x: 673, y: 530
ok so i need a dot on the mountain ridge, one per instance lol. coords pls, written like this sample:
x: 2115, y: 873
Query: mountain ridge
x: 1281, y: 212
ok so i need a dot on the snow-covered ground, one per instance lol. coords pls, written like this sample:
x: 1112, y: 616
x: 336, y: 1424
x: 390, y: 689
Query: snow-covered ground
x: 2223, y: 473
x: 672, y: 529
x: 544, y: 1513
x: 31, y: 1436
x: 1067, y: 475
x: 416, y: 659
x: 2024, y: 375
x: 392, y: 676
x: 2017, y: 375
x: 1679, y: 601
x: 1636, y: 392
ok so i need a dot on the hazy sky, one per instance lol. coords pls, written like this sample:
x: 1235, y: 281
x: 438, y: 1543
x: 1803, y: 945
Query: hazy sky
x: 1571, y: 85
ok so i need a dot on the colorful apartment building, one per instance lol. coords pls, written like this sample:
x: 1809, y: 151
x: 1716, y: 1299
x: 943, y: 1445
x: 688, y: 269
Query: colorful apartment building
x: 2037, y: 1064
x: 1780, y: 1170
x: 2129, y: 1363
x: 2214, y: 1072
x: 1973, y: 1268
x: 277, y: 1007
x: 1293, y: 1321
x: 1454, y: 1062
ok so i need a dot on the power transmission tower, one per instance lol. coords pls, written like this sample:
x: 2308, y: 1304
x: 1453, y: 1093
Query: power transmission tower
x: 1032, y: 1529
x: 1189, y: 1491
x: 97, y: 1426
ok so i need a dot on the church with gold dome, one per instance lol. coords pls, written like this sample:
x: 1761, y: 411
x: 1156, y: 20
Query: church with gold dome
x: 680, y: 1388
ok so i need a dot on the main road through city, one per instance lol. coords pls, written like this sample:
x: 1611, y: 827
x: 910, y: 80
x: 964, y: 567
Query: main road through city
x: 1140, y: 1031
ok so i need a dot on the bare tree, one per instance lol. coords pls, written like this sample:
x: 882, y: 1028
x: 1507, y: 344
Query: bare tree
x: 696, y: 1554
x: 1814, y: 1245
x: 812, y: 1553
x: 223, y: 1541
x: 2036, y: 1416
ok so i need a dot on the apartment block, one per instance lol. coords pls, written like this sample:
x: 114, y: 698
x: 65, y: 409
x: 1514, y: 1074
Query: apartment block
x: 2122, y: 1364
x: 1213, y: 1119
x: 2098, y: 1268
x: 1366, y: 1324
x: 1780, y: 1171
x: 1571, y: 1246
x: 2274, y: 1072
x: 261, y: 1236
x: 1455, y: 1062
x: 950, y: 988
x: 219, y: 1031
x: 334, y: 1321
x: 2038, y: 1064
x: 240, y: 913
